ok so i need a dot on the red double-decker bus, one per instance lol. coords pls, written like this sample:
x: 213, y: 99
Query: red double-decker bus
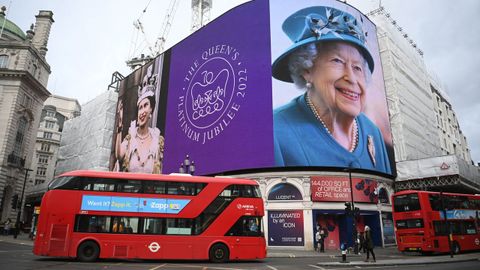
x: 92, y: 214
x: 424, y: 221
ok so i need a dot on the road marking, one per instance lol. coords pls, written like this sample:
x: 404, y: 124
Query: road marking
x: 316, y: 266
x: 271, y: 267
x: 204, y: 267
x: 159, y: 266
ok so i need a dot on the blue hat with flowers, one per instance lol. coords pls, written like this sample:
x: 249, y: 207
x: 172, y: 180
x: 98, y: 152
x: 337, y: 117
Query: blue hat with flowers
x: 320, y: 24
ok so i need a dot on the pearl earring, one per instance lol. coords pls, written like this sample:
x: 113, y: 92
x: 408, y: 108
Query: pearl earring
x: 308, y: 85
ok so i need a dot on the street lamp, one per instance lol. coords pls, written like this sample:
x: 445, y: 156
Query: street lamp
x: 353, y: 211
x: 187, y: 166
x: 19, y: 214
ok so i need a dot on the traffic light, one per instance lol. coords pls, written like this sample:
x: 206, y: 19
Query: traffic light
x: 356, y: 211
x: 348, y: 208
x: 14, y: 201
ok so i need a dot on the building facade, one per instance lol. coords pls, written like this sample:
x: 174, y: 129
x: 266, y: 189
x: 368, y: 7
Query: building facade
x: 430, y: 149
x: 55, y: 112
x: 452, y: 140
x: 24, y: 74
x: 298, y: 204
x: 410, y: 100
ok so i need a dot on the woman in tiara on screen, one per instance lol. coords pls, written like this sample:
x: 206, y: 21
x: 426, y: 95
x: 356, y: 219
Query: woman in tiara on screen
x: 142, y: 148
x: 326, y: 126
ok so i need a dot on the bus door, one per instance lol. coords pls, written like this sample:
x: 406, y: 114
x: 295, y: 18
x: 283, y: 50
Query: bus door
x: 246, y: 235
x: 57, y: 234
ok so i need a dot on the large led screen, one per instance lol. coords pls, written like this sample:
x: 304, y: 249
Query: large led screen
x: 268, y: 84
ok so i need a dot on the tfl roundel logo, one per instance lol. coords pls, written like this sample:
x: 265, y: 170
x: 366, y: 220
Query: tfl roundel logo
x: 212, y: 94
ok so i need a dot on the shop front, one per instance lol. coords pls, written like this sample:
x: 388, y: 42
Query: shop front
x: 298, y: 205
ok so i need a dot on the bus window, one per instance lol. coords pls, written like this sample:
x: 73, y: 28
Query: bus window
x: 470, y: 227
x: 256, y: 192
x: 246, y: 226
x: 407, y: 202
x: 435, y: 202
x: 125, y: 225
x: 94, y: 224
x: 409, y: 223
x: 154, y: 226
x: 65, y: 182
x: 130, y: 186
x: 199, y: 187
x: 246, y: 191
x: 131, y: 224
x: 152, y: 187
x: 101, y: 184
x: 182, y: 188
x: 181, y: 226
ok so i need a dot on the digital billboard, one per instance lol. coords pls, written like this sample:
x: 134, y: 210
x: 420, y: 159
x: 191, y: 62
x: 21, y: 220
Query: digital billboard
x: 337, y: 189
x: 265, y: 85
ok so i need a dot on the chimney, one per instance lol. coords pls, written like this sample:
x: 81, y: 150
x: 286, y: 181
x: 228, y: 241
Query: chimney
x: 42, y: 31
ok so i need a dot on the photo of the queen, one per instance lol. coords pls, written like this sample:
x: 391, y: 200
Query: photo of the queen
x: 141, y: 149
x: 326, y: 124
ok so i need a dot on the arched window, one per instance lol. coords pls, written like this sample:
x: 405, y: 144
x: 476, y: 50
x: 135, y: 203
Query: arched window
x: 383, y: 196
x: 284, y: 191
x: 3, y: 61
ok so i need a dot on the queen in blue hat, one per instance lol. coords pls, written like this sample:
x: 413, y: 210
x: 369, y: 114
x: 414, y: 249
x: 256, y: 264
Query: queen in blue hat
x: 326, y: 126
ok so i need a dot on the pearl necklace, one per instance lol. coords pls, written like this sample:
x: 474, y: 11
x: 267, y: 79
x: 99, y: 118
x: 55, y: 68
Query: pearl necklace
x: 143, y: 138
x: 354, y: 127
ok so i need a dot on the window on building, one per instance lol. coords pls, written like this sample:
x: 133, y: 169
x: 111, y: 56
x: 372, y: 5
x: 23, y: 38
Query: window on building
x: 41, y: 171
x: 43, y: 159
x: 47, y: 135
x: 25, y: 100
x: 45, y: 147
x: 22, y: 127
x: 49, y: 124
x: 34, y: 69
x: 39, y: 181
x: 50, y: 113
x: 3, y: 61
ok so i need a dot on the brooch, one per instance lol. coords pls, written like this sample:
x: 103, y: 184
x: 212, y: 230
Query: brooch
x: 371, y: 149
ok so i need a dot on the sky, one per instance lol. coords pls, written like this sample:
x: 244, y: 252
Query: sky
x: 92, y: 39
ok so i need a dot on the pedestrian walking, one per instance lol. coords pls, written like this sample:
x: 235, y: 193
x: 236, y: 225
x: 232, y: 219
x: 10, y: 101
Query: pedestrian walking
x: 317, y: 240
x: 358, y: 246
x: 362, y: 242
x: 7, y: 226
x: 369, y: 244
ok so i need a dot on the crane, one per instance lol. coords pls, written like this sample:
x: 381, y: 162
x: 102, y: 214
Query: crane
x: 157, y: 48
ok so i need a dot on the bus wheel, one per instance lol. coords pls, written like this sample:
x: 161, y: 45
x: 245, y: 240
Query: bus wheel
x: 455, y: 247
x: 218, y: 253
x: 88, y: 251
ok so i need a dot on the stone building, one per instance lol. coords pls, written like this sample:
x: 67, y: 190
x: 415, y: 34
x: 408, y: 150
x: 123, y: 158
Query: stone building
x: 24, y: 73
x: 56, y: 111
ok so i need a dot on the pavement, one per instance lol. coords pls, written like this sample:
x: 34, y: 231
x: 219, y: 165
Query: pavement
x: 387, y: 256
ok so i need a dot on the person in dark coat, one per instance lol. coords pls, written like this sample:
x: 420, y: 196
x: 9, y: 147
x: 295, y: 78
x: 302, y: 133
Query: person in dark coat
x: 369, y: 243
x: 323, y: 235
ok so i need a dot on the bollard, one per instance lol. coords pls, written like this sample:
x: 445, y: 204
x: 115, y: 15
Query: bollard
x: 343, y: 248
